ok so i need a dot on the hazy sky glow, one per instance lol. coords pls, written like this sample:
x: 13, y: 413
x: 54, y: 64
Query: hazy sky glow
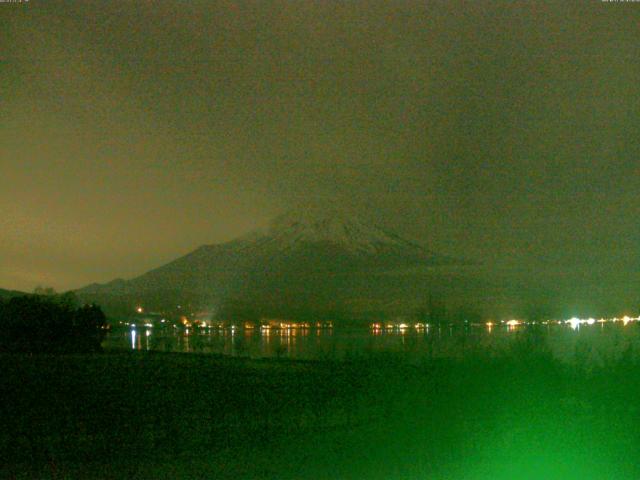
x: 132, y: 132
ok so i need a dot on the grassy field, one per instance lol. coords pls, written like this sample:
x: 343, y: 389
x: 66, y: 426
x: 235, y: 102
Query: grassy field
x: 178, y: 416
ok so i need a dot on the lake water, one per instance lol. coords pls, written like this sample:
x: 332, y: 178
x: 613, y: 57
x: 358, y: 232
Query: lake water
x: 592, y: 344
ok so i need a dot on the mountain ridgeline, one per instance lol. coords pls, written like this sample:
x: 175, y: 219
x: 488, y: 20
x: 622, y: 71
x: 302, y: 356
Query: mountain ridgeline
x: 5, y: 294
x: 298, y: 266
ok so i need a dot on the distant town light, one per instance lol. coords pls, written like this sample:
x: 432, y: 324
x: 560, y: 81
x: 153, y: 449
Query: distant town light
x: 574, y: 322
x: 139, y: 310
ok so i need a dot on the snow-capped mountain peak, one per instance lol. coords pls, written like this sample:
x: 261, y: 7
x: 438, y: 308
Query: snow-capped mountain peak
x: 320, y: 257
x: 339, y: 227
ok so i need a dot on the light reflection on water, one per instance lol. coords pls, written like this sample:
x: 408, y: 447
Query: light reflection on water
x: 588, y: 343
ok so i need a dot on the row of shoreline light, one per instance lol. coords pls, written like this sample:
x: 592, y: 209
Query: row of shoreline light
x: 573, y: 322
x: 246, y: 326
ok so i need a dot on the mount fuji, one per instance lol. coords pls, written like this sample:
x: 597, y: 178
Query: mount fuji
x: 321, y: 261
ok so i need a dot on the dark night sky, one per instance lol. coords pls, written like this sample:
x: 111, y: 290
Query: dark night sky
x: 132, y: 132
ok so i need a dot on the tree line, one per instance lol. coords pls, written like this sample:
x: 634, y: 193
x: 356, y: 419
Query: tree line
x: 50, y: 323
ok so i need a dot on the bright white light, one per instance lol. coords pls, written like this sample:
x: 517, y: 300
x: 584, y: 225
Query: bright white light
x: 591, y: 321
x: 133, y: 339
x: 574, y: 322
x: 139, y: 310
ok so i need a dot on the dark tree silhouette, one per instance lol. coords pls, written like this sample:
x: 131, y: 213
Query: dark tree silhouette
x: 50, y: 323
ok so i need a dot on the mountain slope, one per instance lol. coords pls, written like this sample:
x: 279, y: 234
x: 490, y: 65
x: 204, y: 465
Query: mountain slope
x: 320, y: 261
x: 4, y: 294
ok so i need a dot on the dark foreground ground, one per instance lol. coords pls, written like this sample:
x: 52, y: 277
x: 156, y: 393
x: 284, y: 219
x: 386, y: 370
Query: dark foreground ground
x: 520, y: 415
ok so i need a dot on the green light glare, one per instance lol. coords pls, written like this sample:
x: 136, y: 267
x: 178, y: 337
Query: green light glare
x: 579, y: 444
